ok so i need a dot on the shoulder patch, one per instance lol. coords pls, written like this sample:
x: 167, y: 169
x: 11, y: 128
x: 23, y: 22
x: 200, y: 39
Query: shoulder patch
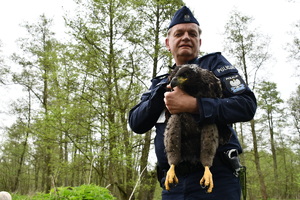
x: 235, y: 84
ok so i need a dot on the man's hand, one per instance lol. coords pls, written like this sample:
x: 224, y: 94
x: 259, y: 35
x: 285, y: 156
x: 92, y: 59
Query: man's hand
x: 177, y: 101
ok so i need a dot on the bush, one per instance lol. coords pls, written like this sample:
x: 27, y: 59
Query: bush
x: 83, y: 192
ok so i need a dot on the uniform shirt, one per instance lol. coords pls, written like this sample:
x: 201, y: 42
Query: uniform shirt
x: 238, y: 104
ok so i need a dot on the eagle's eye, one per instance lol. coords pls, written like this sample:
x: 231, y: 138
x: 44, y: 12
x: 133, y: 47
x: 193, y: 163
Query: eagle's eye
x: 181, y: 80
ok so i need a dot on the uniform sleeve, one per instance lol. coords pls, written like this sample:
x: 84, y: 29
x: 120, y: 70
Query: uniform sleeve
x: 240, y: 108
x: 144, y: 115
x: 238, y: 103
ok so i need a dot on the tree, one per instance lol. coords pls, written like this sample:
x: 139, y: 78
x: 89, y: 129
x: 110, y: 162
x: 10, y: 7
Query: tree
x: 249, y: 51
x: 1, y: 63
x: 269, y: 101
x: 294, y: 104
x: 39, y: 68
x: 4, y: 69
x: 248, y: 48
x: 106, y: 54
x: 294, y: 46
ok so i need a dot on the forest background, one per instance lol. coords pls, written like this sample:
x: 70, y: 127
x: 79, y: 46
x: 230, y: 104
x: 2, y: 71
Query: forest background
x: 65, y: 98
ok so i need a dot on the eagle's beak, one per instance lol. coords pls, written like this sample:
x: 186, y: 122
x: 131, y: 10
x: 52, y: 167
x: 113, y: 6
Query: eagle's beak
x: 177, y: 81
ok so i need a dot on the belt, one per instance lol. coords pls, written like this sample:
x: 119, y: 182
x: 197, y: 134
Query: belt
x: 185, y: 168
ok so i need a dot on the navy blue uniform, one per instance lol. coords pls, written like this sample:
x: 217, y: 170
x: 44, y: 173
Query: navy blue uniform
x: 237, y: 105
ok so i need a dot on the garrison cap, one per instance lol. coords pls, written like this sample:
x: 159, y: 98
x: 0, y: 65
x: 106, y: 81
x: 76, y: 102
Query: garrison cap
x: 183, y: 15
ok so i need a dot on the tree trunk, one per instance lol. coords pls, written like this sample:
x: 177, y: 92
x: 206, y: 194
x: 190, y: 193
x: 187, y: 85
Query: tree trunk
x: 147, y: 188
x: 263, y: 189
x: 241, y: 138
x: 24, y: 148
x: 273, y: 148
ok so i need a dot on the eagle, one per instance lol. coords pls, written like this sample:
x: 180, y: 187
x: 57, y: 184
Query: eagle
x: 183, y: 134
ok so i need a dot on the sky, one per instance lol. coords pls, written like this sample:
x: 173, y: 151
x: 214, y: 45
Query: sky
x: 272, y: 17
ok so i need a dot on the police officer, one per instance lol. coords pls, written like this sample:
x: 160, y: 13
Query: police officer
x: 237, y: 105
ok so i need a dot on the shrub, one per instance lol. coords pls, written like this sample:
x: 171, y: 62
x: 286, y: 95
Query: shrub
x: 83, y: 192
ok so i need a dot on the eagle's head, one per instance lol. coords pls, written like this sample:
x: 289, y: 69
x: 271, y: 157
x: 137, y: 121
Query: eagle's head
x: 184, y: 75
x: 195, y: 81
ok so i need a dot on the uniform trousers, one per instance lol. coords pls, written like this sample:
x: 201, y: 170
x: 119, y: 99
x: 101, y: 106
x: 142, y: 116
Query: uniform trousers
x: 226, y: 184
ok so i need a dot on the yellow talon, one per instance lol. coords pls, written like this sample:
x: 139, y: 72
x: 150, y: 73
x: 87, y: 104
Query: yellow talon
x: 171, y: 177
x: 207, y: 179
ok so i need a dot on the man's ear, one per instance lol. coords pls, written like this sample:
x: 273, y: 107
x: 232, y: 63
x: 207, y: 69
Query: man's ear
x: 200, y: 42
x: 167, y: 44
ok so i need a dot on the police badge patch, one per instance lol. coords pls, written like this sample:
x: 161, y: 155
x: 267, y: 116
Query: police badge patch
x: 187, y: 18
x: 235, y: 84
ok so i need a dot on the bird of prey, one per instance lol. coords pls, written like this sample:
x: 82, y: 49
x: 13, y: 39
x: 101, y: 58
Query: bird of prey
x: 183, y: 134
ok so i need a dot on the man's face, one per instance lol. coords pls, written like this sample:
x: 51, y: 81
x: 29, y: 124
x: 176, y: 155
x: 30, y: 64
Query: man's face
x: 184, y: 42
